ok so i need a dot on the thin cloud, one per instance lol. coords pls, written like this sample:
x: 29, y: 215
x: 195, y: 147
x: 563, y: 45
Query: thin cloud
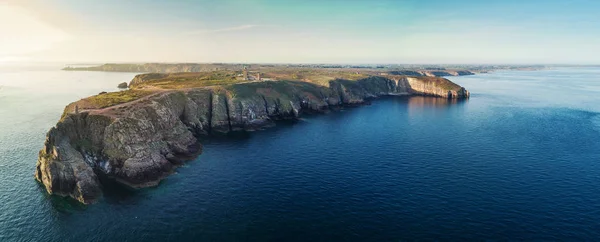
x: 230, y: 29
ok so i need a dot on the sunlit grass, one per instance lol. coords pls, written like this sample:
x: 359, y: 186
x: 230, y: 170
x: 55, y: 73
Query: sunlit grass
x: 115, y: 98
x: 190, y: 80
x: 442, y: 83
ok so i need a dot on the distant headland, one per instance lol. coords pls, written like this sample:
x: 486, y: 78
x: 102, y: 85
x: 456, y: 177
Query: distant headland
x: 397, y: 69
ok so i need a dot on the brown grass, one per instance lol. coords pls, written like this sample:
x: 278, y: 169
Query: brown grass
x: 189, y: 80
x: 114, y: 98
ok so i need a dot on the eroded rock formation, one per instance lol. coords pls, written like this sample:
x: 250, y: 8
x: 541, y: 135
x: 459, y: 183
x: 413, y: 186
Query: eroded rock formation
x: 141, y: 142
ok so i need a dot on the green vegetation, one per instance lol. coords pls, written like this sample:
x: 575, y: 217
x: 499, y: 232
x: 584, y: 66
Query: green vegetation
x: 114, y: 98
x: 220, y: 78
x: 189, y: 83
x: 190, y: 80
x: 287, y: 83
x: 284, y: 90
x: 317, y: 76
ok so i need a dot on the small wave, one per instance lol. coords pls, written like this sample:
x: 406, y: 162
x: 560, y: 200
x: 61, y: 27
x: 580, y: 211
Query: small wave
x: 596, y: 122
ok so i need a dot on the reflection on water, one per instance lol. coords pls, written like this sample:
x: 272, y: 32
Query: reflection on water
x: 419, y: 102
x: 418, y: 105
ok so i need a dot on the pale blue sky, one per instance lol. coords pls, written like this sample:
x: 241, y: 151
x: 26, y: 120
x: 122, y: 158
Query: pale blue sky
x: 334, y: 31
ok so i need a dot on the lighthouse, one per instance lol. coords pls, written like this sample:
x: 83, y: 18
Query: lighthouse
x: 245, y: 73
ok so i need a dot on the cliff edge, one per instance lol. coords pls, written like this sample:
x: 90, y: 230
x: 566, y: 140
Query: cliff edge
x: 141, y: 139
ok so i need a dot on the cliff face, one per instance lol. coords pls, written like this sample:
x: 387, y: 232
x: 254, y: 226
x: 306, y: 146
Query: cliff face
x: 436, y: 87
x: 141, y: 142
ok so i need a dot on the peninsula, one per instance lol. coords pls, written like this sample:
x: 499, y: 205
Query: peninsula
x: 138, y: 136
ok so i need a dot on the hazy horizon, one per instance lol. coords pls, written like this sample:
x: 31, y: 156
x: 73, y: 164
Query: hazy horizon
x: 267, y: 31
x: 97, y: 63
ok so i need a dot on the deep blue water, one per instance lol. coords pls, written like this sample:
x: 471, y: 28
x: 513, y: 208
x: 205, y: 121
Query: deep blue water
x: 520, y: 160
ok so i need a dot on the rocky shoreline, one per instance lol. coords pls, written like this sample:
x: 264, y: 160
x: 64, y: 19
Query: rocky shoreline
x: 139, y: 143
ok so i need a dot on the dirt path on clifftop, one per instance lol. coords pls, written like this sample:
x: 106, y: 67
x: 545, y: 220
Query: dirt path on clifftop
x: 117, y: 110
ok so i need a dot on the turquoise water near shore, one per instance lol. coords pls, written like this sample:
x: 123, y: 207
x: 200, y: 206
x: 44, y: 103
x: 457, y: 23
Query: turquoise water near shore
x: 519, y: 160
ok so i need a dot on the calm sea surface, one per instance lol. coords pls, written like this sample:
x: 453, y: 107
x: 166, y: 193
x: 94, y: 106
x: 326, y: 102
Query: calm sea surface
x: 519, y: 160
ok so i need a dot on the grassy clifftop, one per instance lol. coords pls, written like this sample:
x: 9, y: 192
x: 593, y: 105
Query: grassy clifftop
x: 185, y: 80
x: 112, y: 98
x: 144, y: 85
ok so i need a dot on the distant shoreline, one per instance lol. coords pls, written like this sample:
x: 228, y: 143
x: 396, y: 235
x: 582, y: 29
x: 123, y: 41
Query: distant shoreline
x: 413, y: 70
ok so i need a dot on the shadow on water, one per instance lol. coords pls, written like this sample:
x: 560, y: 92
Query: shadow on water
x: 240, y: 136
x: 66, y: 205
x: 61, y: 204
x: 115, y: 192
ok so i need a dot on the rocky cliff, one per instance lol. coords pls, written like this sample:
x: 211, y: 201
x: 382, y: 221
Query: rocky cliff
x: 141, y: 142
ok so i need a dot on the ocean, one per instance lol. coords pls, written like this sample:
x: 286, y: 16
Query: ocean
x: 520, y: 160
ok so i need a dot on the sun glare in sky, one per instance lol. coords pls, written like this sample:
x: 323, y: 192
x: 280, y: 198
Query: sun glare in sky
x: 293, y: 31
x: 23, y: 33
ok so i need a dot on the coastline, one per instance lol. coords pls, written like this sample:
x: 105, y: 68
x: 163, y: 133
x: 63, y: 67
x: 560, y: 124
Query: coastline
x: 140, y: 143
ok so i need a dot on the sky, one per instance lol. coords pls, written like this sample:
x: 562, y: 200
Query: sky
x: 302, y: 31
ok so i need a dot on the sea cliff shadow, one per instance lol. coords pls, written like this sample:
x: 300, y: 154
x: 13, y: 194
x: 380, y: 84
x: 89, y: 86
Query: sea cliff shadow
x: 117, y: 193
x: 113, y: 193
x: 65, y: 205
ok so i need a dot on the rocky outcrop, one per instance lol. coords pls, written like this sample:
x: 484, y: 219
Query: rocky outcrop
x: 145, y: 77
x: 122, y: 85
x: 143, y: 144
x: 62, y: 166
x: 435, y: 88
